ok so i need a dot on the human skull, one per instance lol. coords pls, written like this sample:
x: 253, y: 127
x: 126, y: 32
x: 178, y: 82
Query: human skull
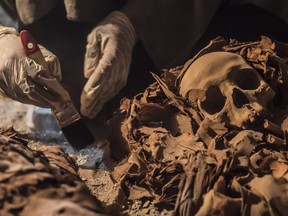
x: 232, y: 91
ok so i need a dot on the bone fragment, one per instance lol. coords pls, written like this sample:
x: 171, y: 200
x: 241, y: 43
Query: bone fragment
x: 275, y: 140
x: 273, y: 127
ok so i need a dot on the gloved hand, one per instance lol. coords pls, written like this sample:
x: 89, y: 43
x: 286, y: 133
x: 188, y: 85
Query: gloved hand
x: 107, y: 61
x: 22, y: 79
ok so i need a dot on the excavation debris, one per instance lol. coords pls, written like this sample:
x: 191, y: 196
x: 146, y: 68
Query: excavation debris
x: 175, y: 158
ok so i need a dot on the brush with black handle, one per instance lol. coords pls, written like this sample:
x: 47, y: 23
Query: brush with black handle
x: 71, y: 123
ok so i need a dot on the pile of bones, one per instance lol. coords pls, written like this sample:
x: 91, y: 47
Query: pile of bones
x: 209, y: 137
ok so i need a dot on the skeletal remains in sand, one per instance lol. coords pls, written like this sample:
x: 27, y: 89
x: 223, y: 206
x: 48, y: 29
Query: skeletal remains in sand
x: 226, y: 89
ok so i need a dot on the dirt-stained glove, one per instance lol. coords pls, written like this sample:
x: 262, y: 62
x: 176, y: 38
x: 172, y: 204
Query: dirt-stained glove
x: 22, y: 79
x: 107, y: 61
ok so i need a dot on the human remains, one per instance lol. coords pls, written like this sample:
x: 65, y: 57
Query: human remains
x: 232, y: 91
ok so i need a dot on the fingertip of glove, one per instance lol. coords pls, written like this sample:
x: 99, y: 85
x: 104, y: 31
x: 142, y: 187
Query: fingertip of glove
x: 83, y: 107
x: 88, y: 110
x: 86, y: 113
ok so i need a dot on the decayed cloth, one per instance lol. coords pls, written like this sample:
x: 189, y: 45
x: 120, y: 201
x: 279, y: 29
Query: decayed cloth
x: 182, y: 163
x: 42, y: 182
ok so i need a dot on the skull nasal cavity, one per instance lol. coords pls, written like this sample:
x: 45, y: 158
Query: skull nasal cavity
x: 214, y: 101
x: 239, y: 98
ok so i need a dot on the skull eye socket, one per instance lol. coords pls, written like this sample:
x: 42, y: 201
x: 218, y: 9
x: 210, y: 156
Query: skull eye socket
x: 239, y: 98
x: 246, y: 79
x: 214, y: 101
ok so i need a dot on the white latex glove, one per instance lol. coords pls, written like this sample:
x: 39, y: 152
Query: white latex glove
x: 22, y: 79
x: 107, y: 61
